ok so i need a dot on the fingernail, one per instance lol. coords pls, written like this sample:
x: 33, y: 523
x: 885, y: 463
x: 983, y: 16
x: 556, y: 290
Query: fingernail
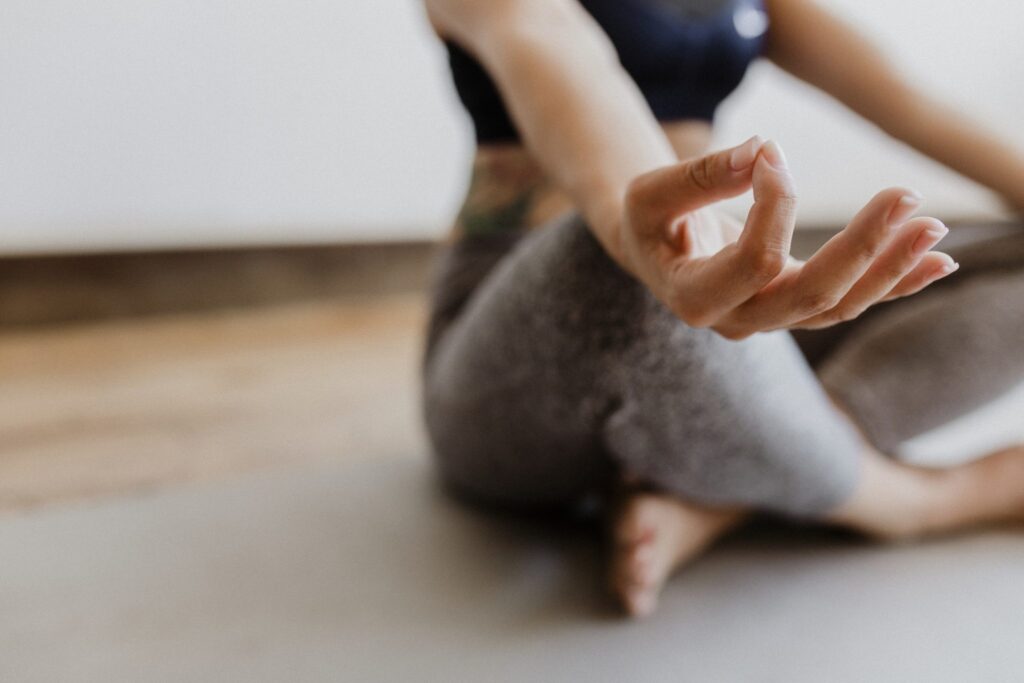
x: 743, y: 156
x: 947, y: 269
x: 912, y: 196
x: 929, y: 238
x: 773, y: 154
x: 905, y: 207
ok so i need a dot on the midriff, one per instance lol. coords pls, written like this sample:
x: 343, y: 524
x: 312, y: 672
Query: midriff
x: 510, y: 191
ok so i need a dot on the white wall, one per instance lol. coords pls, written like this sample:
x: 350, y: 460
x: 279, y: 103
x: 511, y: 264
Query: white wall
x: 969, y: 54
x: 169, y: 123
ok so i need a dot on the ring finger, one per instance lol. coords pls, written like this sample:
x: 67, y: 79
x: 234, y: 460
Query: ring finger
x: 899, y: 259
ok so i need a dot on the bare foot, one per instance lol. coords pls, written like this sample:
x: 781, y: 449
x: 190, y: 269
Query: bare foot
x: 654, y: 535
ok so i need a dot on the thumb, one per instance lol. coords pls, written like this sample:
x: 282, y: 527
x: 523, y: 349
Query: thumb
x: 696, y: 183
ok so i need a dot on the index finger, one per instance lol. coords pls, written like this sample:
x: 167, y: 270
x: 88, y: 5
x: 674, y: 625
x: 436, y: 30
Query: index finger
x: 738, y: 272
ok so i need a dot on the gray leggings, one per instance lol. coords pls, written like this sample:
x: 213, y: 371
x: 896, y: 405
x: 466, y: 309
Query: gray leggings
x: 549, y: 370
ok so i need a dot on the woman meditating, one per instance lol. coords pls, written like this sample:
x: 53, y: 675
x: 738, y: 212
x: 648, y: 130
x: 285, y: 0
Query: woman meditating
x: 599, y: 326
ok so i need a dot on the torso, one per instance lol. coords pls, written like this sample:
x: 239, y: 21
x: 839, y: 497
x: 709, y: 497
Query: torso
x: 685, y: 56
x: 509, y: 190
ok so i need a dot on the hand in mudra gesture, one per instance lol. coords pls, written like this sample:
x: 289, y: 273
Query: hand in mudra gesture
x: 711, y: 271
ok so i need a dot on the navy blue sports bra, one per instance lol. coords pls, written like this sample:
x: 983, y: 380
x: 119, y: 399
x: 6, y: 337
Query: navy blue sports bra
x: 685, y: 55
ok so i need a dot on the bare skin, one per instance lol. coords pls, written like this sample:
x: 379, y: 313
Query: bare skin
x: 653, y: 535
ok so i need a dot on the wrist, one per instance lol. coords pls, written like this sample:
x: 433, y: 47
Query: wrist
x: 608, y: 223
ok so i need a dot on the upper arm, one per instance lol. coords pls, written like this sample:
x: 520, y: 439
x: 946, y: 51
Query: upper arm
x: 449, y: 17
x: 484, y: 26
x: 467, y: 20
x: 818, y: 47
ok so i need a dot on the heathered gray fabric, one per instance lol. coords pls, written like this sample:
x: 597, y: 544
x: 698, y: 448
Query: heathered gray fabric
x: 560, y: 368
x: 548, y: 369
x: 918, y: 363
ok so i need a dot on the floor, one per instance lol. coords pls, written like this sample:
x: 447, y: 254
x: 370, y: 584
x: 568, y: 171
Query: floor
x: 94, y: 410
x: 361, y: 572
x: 244, y: 495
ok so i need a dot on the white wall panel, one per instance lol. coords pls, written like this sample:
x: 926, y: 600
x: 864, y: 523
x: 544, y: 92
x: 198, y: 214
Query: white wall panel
x: 152, y: 124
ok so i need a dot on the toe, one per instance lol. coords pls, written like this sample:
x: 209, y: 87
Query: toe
x: 641, y: 564
x: 641, y: 603
x: 632, y: 529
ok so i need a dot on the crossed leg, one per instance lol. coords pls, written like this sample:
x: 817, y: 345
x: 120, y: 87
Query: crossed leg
x: 656, y: 534
x: 561, y: 368
x: 916, y: 364
x: 906, y: 367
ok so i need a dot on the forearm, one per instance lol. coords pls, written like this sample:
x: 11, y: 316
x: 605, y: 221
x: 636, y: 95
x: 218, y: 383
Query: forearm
x: 824, y: 51
x: 577, y: 110
x: 944, y: 134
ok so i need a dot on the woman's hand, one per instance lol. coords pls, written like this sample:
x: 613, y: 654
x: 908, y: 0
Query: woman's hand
x: 740, y: 280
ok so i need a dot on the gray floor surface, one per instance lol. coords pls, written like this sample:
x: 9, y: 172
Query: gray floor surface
x: 364, y: 571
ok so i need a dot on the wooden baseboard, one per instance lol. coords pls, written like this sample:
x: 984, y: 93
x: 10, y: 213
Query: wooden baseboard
x: 45, y: 290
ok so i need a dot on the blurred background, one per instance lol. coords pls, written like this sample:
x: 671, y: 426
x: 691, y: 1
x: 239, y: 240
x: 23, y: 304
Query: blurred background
x: 216, y: 227
x: 163, y: 124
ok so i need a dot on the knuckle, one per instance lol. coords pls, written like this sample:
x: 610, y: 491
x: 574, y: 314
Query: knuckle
x: 765, y: 264
x: 894, y: 272
x: 788, y: 195
x: 701, y: 173
x: 852, y: 313
x: 734, y: 333
x: 785, y: 206
x: 842, y: 314
x: 813, y: 303
x: 701, y: 319
x: 868, y: 248
x: 694, y: 314
x: 839, y: 315
x: 785, y: 195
